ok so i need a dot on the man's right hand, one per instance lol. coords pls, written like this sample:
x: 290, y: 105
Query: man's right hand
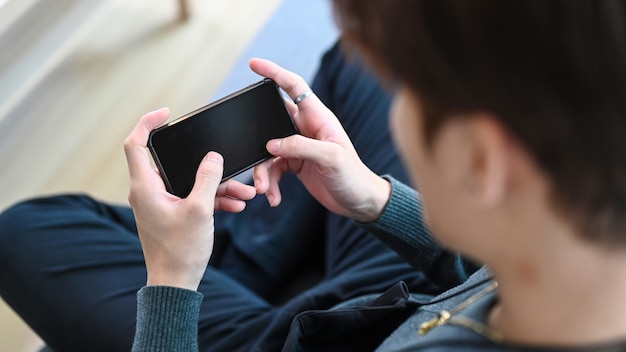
x: 323, y: 157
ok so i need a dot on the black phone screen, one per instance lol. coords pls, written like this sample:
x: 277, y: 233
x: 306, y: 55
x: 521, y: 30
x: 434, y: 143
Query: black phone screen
x: 237, y: 126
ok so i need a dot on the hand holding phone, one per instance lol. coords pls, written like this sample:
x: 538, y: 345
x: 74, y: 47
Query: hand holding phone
x: 323, y: 157
x: 177, y: 234
x: 237, y: 126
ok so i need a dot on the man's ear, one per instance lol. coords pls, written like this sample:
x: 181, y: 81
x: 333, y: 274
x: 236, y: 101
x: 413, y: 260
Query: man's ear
x: 490, y: 160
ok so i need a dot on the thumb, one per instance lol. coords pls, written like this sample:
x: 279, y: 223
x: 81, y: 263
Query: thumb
x: 208, y: 177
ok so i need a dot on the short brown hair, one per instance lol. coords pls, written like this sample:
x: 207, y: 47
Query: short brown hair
x: 552, y: 71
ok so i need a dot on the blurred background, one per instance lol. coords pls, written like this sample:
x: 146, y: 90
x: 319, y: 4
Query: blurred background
x: 75, y: 75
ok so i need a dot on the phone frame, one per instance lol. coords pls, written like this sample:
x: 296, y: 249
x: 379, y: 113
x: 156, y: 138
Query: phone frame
x: 200, y: 110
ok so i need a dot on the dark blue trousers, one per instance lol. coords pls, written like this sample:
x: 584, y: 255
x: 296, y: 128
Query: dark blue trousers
x: 70, y: 266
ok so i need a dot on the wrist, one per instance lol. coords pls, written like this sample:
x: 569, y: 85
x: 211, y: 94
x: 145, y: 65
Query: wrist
x: 377, y: 201
x: 189, y: 280
x: 173, y: 282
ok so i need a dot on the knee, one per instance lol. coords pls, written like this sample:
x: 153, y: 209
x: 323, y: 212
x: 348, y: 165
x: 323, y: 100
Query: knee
x: 33, y: 215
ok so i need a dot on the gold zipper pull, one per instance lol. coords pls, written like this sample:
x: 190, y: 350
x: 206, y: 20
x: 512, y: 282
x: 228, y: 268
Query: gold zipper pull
x: 426, y: 326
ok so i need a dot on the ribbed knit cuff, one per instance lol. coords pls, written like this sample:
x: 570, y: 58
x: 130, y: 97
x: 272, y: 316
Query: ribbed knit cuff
x: 167, y: 319
x: 401, y: 224
x: 403, y: 211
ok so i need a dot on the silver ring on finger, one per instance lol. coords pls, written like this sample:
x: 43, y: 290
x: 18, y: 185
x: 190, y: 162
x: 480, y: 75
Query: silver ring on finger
x: 302, y: 96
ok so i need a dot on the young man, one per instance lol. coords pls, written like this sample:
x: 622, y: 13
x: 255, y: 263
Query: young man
x: 511, y: 117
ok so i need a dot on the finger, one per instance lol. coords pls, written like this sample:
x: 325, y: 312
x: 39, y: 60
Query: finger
x: 277, y: 170
x: 261, y: 176
x: 208, y: 177
x: 236, y: 189
x: 290, y: 82
x: 321, y: 153
x: 135, y: 144
x: 291, y: 107
x: 229, y: 204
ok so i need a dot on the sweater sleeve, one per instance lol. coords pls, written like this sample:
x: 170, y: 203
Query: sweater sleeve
x: 167, y: 319
x: 402, y: 228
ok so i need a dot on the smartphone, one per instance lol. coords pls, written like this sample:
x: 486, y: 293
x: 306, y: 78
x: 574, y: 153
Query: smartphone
x: 237, y: 126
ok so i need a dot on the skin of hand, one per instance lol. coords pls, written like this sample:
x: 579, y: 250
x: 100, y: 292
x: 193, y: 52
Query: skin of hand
x: 177, y: 234
x: 323, y: 157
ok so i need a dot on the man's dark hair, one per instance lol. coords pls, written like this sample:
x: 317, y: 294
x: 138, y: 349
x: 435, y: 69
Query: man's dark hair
x: 553, y: 72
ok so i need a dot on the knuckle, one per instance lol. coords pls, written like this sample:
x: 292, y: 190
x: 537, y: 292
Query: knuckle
x: 225, y: 188
x: 127, y: 143
x: 291, y: 85
x: 209, y: 172
x: 133, y: 196
x: 130, y: 143
x: 295, y: 81
x: 295, y: 143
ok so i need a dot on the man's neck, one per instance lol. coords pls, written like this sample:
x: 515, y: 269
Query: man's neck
x: 568, y: 293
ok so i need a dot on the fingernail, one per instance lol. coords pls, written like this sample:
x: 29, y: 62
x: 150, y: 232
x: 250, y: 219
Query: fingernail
x: 163, y: 109
x: 274, y: 145
x: 213, y: 156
